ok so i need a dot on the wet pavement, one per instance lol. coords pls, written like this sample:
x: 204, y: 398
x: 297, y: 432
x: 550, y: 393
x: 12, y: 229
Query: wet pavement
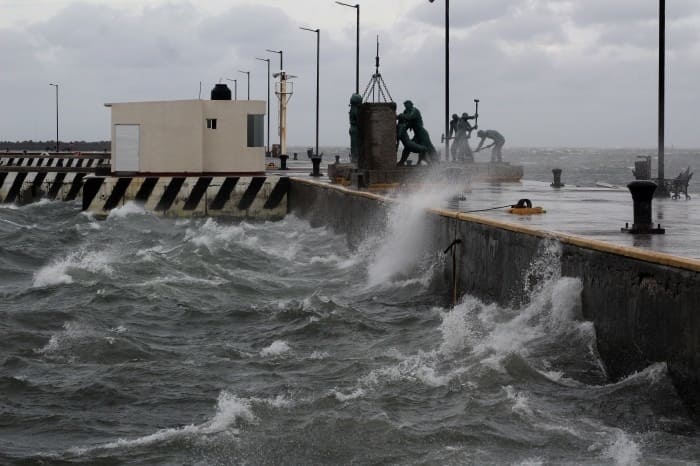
x: 596, y: 213
x: 592, y: 212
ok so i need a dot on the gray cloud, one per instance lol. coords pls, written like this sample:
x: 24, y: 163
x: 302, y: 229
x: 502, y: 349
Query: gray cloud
x: 548, y: 72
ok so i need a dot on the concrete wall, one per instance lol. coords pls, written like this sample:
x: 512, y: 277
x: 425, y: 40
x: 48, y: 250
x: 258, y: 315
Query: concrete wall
x: 645, y: 306
x: 227, y: 146
x: 174, y: 137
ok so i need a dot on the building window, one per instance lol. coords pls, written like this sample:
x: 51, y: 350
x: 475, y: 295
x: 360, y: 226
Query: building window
x: 211, y: 123
x: 256, y: 130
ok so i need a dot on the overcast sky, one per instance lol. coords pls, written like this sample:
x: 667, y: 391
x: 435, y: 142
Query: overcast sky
x: 548, y: 72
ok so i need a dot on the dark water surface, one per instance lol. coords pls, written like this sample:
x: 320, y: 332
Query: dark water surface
x: 140, y: 340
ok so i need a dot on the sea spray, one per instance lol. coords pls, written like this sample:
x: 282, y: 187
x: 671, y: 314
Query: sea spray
x: 401, y: 247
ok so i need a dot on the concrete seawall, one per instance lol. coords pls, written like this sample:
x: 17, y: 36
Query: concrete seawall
x: 645, y: 306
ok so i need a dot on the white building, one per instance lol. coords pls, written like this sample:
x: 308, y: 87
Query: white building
x: 188, y: 137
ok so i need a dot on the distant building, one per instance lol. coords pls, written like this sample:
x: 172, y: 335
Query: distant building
x: 188, y: 136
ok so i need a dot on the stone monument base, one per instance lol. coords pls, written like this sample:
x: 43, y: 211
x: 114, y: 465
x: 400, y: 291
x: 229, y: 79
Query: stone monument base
x: 447, y: 172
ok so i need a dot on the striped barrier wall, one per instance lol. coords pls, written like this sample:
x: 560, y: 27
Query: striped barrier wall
x: 26, y: 187
x: 262, y: 198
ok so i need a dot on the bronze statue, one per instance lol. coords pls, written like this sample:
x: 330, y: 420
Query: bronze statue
x: 412, y: 119
x: 355, y: 102
x: 462, y: 136
x: 497, y: 144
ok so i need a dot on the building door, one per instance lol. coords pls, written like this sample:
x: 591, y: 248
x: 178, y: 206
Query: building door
x: 126, y: 147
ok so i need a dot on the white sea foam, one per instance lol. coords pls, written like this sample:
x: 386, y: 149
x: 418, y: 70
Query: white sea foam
x: 71, y: 333
x: 277, y: 348
x: 456, y: 327
x: 58, y: 272
x: 318, y: 355
x: 129, y: 208
x: 185, y: 279
x: 343, y: 397
x: 520, y: 401
x: 530, y: 462
x: 229, y: 410
x: 623, y: 450
x: 212, y: 235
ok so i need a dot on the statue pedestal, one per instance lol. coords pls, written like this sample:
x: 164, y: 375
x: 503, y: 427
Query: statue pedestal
x: 377, y: 125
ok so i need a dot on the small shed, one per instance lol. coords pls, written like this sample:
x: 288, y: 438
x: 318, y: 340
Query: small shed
x: 189, y: 136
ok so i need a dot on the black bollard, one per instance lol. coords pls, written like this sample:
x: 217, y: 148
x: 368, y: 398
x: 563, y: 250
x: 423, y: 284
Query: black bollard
x: 283, y: 162
x: 642, y: 196
x: 337, y: 159
x: 316, y: 161
x: 295, y: 156
x: 557, y: 178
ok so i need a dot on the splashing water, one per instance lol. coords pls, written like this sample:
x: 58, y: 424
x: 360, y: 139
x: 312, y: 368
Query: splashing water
x: 400, y: 248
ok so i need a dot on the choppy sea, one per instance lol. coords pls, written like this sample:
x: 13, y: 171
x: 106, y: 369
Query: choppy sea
x: 144, y: 340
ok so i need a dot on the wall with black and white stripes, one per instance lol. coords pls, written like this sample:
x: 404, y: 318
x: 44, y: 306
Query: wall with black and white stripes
x: 257, y: 197
x: 27, y: 178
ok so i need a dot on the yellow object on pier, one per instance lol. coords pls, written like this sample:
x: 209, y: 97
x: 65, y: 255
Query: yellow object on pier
x: 524, y: 207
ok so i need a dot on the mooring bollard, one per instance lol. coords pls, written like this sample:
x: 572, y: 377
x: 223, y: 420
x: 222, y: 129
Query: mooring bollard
x: 316, y: 161
x: 642, y: 196
x: 283, y: 162
x: 557, y: 178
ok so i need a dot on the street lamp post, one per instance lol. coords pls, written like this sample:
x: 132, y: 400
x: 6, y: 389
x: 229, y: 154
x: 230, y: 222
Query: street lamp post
x: 235, y: 87
x: 57, y: 143
x: 447, y: 78
x: 247, y: 73
x: 281, y: 57
x: 357, y: 45
x: 268, y: 102
x: 318, y: 74
x: 662, y: 94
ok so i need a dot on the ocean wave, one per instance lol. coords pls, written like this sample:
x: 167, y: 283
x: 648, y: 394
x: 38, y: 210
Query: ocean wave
x: 129, y: 208
x: 59, y: 271
x: 230, y: 410
x: 277, y: 348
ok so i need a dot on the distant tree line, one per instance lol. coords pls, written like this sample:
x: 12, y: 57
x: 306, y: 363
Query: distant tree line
x: 74, y: 146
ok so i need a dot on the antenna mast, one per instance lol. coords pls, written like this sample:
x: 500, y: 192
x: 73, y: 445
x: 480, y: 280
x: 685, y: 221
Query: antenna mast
x: 377, y: 88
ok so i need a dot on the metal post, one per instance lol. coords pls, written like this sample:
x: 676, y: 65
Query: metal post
x: 281, y: 57
x: 235, y: 87
x: 57, y: 143
x: 662, y: 90
x: 318, y: 74
x: 247, y: 73
x: 447, y: 78
x: 282, y: 89
x: 357, y: 52
x: 357, y: 45
x: 268, y: 103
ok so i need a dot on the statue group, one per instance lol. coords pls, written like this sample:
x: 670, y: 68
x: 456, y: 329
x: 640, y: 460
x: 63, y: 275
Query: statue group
x: 411, y: 121
x: 460, y: 132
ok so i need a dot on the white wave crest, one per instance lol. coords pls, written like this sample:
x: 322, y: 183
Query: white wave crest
x: 277, y: 348
x: 229, y: 410
x: 342, y: 397
x: 623, y: 450
x: 58, y: 272
x: 129, y: 208
x: 212, y: 235
x: 72, y: 332
x: 520, y: 401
